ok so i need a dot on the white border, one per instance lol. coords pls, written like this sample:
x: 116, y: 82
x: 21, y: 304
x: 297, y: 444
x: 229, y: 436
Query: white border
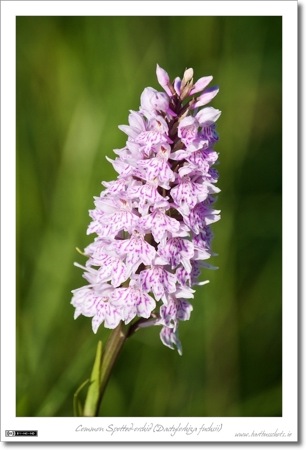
x: 66, y: 427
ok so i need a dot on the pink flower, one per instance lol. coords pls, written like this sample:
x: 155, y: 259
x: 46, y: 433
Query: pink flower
x: 133, y: 301
x: 153, y: 222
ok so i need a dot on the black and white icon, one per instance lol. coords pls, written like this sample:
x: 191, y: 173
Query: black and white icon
x: 9, y: 433
x: 21, y: 433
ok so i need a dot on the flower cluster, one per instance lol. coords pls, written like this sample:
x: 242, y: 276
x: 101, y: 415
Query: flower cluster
x: 153, y: 222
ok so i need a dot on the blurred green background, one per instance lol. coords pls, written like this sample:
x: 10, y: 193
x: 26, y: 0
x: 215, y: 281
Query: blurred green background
x: 77, y: 79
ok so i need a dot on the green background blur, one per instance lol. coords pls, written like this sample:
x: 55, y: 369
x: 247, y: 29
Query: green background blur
x: 77, y: 79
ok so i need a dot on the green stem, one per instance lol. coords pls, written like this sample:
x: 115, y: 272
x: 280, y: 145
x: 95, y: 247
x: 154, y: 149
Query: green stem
x: 111, y: 352
x: 104, y: 363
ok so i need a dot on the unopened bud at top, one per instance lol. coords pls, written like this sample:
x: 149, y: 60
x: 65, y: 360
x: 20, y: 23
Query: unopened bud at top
x: 163, y: 79
x: 188, y: 74
x: 162, y: 76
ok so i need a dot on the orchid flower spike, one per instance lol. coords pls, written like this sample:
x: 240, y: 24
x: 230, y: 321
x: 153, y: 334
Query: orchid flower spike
x: 152, y: 225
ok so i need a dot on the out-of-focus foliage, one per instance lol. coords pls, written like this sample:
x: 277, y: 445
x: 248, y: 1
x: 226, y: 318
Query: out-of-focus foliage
x: 77, y: 79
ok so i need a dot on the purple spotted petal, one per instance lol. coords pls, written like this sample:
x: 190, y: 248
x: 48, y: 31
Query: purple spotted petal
x: 174, y: 311
x: 170, y: 339
x: 158, y: 280
x: 177, y: 251
x: 137, y: 251
x: 133, y: 301
x: 160, y: 224
x: 158, y: 169
x: 188, y: 130
x: 187, y: 194
x: 201, y: 215
x: 112, y: 269
x: 108, y: 314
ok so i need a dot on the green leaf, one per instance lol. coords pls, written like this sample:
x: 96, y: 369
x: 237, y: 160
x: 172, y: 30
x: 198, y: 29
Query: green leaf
x: 77, y: 406
x: 93, y: 394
